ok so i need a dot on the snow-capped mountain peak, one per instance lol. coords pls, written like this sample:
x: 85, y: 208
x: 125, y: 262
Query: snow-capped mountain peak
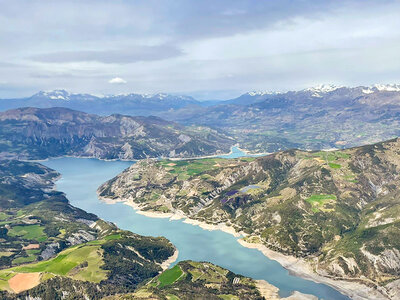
x: 54, y: 94
x: 368, y: 90
x: 387, y: 87
x: 323, y: 88
x: 318, y: 90
x: 157, y: 96
x: 261, y: 93
x: 64, y: 95
x: 381, y: 88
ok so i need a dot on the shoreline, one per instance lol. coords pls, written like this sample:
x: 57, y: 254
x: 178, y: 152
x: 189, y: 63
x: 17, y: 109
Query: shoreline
x: 175, y: 216
x: 133, y: 160
x: 128, y: 160
x: 271, y: 292
x: 167, y: 263
x: 296, y: 266
x: 299, y: 267
x: 252, y: 154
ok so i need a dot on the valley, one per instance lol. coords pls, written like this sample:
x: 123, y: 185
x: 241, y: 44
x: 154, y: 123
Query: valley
x: 52, y: 248
x: 322, y: 117
x: 199, y: 150
x: 325, y: 215
x: 82, y: 177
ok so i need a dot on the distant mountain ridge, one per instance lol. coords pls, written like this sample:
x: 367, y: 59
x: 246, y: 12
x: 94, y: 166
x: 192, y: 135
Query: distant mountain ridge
x: 317, y: 92
x: 147, y: 104
x: 65, y: 95
x: 130, y: 104
x: 321, y: 117
x: 33, y: 133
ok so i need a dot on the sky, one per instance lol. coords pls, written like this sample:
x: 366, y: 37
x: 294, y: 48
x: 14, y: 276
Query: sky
x: 215, y: 49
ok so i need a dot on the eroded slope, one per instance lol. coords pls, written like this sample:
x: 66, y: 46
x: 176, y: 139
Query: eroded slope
x: 339, y: 209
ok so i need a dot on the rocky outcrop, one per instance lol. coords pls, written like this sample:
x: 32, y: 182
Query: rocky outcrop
x: 32, y: 133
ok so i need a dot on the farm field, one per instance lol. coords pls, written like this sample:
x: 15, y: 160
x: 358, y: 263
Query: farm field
x: 319, y: 202
x: 170, y: 276
x: 188, y: 168
x: 28, y: 232
x: 24, y: 281
x: 81, y: 262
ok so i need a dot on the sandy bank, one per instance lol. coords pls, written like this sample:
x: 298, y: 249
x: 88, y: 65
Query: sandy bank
x: 270, y: 292
x: 165, y: 264
x: 175, y: 216
x: 301, y: 268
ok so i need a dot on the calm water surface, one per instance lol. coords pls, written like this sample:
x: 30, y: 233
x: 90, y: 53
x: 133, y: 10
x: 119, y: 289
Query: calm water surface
x: 80, y: 179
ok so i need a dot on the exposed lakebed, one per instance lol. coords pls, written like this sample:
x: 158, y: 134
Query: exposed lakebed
x: 80, y: 179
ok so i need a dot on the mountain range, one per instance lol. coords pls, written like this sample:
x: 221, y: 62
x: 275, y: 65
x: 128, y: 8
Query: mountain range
x: 316, y: 118
x: 322, y: 117
x: 128, y: 104
x: 33, y: 133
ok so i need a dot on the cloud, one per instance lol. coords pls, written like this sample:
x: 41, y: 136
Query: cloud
x: 190, y: 46
x: 131, y: 55
x: 117, y: 80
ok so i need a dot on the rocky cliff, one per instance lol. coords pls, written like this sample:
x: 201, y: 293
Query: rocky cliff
x: 32, y: 133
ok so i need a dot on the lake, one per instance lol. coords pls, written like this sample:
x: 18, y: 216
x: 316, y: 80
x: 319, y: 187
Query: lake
x: 80, y: 179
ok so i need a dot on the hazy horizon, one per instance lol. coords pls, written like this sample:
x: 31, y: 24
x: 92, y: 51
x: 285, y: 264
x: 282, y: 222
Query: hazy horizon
x: 200, y: 96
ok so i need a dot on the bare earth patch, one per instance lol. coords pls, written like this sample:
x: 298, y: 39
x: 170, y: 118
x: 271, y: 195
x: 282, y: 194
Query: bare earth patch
x: 31, y: 246
x: 24, y: 281
x: 267, y: 290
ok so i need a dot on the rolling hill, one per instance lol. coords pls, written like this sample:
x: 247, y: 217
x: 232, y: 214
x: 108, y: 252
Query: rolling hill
x: 337, y: 210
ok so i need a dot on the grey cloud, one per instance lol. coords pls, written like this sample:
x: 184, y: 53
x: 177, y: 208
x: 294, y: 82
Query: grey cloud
x: 131, y: 55
x: 51, y: 75
x: 210, y: 18
x: 40, y: 39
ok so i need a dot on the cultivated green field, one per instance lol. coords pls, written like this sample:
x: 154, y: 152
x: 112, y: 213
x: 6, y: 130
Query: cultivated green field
x: 188, y: 168
x: 170, y: 276
x: 81, y: 262
x: 334, y: 166
x: 319, y: 202
x: 3, y: 216
x: 28, y: 232
x: 329, y: 157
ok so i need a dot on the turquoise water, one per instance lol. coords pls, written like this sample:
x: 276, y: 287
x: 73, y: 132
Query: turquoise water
x: 249, y: 187
x: 80, y: 179
x: 236, y: 152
